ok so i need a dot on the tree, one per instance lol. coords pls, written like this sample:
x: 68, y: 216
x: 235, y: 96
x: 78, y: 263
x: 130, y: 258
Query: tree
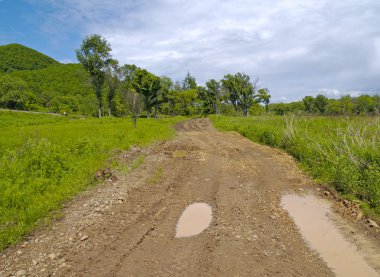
x: 335, y: 107
x: 264, y: 97
x: 94, y: 55
x: 165, y: 94
x: 148, y: 85
x: 308, y: 101
x: 15, y: 94
x: 365, y: 104
x: 127, y: 73
x: 214, y: 93
x: 321, y: 103
x: 134, y: 100
x: 189, y: 82
x: 280, y: 108
x: 348, y: 106
x: 112, y: 77
x: 241, y: 91
x: 185, y: 102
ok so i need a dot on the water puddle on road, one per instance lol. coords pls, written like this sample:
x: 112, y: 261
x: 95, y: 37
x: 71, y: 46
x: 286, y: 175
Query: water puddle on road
x: 194, y: 220
x: 312, y: 216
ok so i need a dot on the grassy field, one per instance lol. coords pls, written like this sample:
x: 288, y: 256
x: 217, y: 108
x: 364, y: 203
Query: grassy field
x: 45, y: 160
x: 339, y: 151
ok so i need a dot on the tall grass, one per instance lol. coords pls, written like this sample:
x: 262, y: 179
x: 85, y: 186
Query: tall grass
x: 45, y: 160
x: 339, y: 151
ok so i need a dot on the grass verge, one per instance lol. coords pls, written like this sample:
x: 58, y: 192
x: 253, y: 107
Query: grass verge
x: 339, y: 151
x: 46, y: 160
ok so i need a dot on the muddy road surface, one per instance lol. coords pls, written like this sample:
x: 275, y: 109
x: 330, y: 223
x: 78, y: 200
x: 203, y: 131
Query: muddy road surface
x: 127, y: 226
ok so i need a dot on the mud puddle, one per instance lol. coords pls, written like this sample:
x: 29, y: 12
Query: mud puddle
x: 194, y: 220
x: 312, y: 216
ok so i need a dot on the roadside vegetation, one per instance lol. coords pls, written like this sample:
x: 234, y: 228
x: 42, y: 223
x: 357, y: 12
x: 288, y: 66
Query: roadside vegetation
x: 45, y: 160
x: 343, y: 152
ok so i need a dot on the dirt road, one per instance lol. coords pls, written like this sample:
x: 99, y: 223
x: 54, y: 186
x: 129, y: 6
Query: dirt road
x: 126, y: 227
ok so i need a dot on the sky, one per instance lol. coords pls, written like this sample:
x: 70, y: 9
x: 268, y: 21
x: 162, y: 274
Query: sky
x: 294, y: 47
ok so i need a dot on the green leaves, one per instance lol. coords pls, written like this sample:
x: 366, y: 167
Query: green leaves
x: 15, y: 93
x: 95, y: 57
x: 148, y: 85
x: 240, y: 90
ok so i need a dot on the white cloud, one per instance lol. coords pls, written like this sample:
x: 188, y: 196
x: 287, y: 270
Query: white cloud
x: 66, y: 61
x: 295, y: 47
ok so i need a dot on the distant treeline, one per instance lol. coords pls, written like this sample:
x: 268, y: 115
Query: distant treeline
x: 321, y: 105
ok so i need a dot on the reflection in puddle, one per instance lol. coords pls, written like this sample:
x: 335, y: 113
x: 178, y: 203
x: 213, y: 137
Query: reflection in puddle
x: 194, y: 220
x: 311, y: 216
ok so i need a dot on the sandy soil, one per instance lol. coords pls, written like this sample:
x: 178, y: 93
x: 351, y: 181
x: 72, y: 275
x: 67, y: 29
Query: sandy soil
x: 126, y: 227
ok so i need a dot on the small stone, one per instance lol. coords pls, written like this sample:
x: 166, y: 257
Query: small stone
x: 372, y: 223
x: 34, y: 262
x: 318, y: 189
x: 326, y: 193
x: 359, y: 216
x: 84, y: 237
x: 273, y: 217
x: 63, y: 264
x: 345, y: 202
x: 51, y: 256
x: 19, y: 252
x: 238, y: 237
x: 21, y: 273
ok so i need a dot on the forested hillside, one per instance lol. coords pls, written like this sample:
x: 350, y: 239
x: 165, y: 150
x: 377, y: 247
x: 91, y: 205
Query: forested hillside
x: 18, y: 57
x: 33, y: 81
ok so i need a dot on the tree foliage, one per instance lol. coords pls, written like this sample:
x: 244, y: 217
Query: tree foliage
x: 264, y: 97
x: 241, y: 91
x: 149, y: 86
x: 189, y: 82
x: 94, y: 55
x: 15, y: 93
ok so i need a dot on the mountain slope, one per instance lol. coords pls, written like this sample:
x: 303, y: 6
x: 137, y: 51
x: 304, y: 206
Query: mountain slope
x: 15, y: 57
x: 30, y: 80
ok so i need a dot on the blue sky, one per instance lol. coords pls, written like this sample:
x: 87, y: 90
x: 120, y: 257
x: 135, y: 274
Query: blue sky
x: 295, y: 47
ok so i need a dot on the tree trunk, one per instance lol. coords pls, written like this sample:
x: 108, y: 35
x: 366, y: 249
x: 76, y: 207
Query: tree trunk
x: 99, y: 98
x: 245, y: 112
x: 134, y: 119
x: 109, y: 110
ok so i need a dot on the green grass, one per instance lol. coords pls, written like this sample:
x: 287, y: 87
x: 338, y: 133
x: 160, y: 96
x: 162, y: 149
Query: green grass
x: 339, y: 151
x: 46, y: 160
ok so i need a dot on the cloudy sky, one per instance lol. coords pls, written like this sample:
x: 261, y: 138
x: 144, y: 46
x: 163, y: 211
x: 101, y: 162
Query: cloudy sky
x: 295, y: 47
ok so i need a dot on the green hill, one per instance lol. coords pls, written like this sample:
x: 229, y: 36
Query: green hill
x: 18, y: 57
x: 30, y: 80
x: 62, y: 79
